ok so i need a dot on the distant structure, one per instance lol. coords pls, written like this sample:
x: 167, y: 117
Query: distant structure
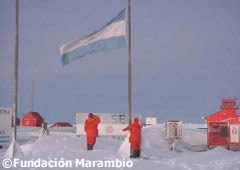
x: 151, y: 120
x: 18, y: 123
x: 62, y: 124
x: 33, y: 119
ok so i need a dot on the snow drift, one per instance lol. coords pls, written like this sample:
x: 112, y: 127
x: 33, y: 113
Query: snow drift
x: 64, y: 144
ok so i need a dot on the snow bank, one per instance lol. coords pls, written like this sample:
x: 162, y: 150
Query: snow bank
x: 14, y: 151
x: 124, y: 149
x: 154, y: 144
x: 155, y: 149
x: 156, y: 153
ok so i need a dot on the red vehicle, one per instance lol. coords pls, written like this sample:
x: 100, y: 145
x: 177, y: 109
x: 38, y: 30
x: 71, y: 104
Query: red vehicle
x: 224, y: 126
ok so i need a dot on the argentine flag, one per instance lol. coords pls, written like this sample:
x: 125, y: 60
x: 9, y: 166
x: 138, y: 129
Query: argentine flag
x: 109, y: 36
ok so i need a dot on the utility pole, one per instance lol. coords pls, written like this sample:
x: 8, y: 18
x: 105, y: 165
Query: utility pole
x: 15, y: 105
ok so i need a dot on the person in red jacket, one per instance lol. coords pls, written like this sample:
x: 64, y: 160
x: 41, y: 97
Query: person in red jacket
x: 135, y: 138
x: 91, y: 129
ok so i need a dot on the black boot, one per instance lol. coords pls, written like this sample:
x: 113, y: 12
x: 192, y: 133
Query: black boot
x: 138, y: 153
x: 133, y: 154
x: 89, y: 147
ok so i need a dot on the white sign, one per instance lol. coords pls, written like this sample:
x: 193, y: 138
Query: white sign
x: 111, y: 123
x: 5, y: 126
x: 235, y: 133
x: 151, y: 120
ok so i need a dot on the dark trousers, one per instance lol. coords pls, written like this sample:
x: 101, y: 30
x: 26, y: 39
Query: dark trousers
x: 90, y: 142
x: 89, y: 147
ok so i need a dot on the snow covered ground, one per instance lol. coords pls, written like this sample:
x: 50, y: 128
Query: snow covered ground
x: 64, y: 144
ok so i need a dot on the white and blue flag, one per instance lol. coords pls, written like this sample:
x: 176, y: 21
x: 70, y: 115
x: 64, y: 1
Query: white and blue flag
x: 110, y: 36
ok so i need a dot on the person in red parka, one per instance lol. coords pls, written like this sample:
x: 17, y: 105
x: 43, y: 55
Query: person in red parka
x: 91, y: 129
x: 135, y: 138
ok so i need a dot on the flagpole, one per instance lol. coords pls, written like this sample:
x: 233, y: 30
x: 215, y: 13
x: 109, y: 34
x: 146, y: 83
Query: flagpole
x: 129, y: 65
x: 15, y: 105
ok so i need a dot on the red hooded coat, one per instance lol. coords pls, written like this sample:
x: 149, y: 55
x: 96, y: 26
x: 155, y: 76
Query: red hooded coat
x: 135, y: 134
x: 90, y: 128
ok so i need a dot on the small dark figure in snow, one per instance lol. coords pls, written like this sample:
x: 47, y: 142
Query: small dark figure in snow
x: 135, y: 138
x: 45, y: 130
x: 91, y: 129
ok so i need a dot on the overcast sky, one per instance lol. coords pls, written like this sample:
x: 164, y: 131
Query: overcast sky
x: 185, y: 58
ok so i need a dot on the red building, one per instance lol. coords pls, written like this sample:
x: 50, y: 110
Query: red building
x: 224, y: 126
x: 33, y: 119
x: 62, y: 124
